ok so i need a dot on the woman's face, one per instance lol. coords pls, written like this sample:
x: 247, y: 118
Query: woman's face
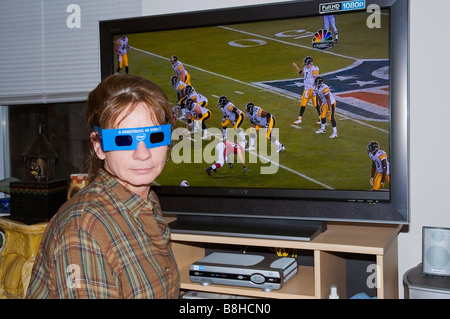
x: 135, y: 169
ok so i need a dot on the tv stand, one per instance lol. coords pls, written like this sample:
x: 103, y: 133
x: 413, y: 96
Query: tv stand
x: 284, y: 229
x: 330, y: 250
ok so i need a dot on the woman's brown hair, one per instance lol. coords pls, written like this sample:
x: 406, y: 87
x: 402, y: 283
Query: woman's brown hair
x: 111, y: 97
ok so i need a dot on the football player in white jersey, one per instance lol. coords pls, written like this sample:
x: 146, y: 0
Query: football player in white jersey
x: 197, y: 99
x: 327, y: 103
x: 309, y: 73
x: 122, y: 53
x: 223, y: 151
x: 180, y: 88
x: 197, y: 114
x: 261, y: 119
x: 180, y: 70
x: 330, y: 19
x: 231, y: 115
x: 379, y: 174
x: 192, y: 94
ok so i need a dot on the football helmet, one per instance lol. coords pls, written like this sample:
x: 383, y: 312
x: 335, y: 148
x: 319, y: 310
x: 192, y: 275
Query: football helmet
x: 174, y: 80
x: 222, y: 101
x: 189, y: 89
x: 189, y: 104
x: 307, y: 61
x: 318, y: 81
x: 249, y: 107
x: 174, y: 59
x: 373, y: 147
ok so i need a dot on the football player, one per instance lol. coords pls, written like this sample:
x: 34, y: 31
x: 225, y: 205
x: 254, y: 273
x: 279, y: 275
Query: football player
x: 180, y: 70
x: 180, y: 88
x: 223, y: 150
x: 379, y: 173
x: 309, y: 73
x: 327, y: 103
x: 193, y: 95
x: 261, y: 119
x: 231, y: 115
x: 330, y: 19
x: 122, y: 53
x: 197, y: 113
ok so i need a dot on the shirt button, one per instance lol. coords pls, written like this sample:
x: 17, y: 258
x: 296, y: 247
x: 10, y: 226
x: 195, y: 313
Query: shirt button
x: 167, y: 269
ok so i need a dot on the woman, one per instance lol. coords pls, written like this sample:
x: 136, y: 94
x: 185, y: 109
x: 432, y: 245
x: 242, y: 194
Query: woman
x: 110, y: 240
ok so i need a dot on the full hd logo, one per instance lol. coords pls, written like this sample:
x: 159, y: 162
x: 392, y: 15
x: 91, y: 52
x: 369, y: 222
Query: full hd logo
x: 342, y: 6
x: 330, y: 7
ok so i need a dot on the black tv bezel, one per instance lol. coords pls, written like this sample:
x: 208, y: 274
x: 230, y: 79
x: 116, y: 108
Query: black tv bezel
x: 290, y: 204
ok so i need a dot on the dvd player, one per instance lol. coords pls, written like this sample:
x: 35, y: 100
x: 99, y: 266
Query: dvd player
x: 246, y: 270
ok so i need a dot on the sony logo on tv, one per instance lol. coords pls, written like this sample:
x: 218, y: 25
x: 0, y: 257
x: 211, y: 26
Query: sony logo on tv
x: 238, y: 191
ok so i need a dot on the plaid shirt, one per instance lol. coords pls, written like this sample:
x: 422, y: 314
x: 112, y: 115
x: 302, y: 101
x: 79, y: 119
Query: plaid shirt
x: 106, y: 242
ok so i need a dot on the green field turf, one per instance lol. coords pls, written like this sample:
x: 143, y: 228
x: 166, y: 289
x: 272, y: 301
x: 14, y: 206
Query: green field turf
x: 310, y: 161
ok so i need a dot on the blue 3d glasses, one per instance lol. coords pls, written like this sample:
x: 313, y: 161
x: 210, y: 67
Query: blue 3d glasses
x: 125, y: 139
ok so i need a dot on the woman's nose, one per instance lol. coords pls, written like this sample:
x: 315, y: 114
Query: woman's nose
x: 142, y: 152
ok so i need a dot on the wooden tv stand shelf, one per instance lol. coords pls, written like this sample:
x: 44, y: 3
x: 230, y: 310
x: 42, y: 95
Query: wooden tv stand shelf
x: 329, y: 252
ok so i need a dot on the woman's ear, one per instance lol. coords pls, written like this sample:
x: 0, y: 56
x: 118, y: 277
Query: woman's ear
x: 97, y: 146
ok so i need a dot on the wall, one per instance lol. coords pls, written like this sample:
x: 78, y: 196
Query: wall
x: 429, y: 151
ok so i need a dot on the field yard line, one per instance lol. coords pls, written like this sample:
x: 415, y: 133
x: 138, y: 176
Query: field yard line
x: 292, y: 171
x: 289, y: 43
x: 245, y: 83
x: 217, y: 74
x: 366, y: 124
x: 200, y: 69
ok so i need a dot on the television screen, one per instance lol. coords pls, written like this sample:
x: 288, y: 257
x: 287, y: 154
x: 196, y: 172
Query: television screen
x: 293, y: 111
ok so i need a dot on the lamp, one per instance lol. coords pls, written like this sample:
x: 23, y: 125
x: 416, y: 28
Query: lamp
x: 39, y: 160
x: 38, y: 196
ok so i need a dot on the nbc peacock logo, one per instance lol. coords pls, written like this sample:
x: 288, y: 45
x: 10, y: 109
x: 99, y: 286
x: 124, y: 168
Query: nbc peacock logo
x: 323, y: 40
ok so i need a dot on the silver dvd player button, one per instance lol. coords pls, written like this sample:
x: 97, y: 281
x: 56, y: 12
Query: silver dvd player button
x: 257, y: 279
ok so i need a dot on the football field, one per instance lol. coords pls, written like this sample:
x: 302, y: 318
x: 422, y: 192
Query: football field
x: 253, y: 62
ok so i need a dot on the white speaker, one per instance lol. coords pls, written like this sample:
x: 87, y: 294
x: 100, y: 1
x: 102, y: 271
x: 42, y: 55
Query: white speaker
x: 436, y: 251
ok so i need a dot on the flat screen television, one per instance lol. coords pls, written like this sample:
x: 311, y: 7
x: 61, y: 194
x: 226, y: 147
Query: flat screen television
x: 246, y: 54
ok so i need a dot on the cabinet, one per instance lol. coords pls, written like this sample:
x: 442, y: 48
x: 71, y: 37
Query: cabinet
x: 329, y: 249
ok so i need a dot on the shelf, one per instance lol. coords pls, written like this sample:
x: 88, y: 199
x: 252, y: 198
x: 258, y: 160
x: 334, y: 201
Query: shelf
x: 300, y: 286
x: 339, y: 237
x: 330, y: 250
